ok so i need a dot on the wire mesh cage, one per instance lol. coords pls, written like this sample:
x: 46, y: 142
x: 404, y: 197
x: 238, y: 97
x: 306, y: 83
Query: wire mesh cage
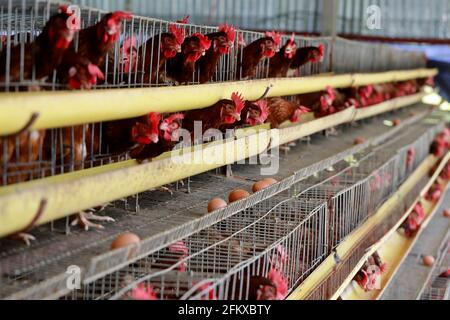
x: 255, y: 15
x: 283, y: 237
x: 438, y: 285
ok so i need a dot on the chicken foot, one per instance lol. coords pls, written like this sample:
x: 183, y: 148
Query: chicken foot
x: 84, y: 218
x: 24, y: 237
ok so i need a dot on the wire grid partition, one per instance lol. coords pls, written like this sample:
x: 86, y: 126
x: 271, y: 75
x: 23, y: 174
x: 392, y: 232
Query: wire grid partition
x: 32, y: 276
x: 299, y: 15
x: 289, y: 234
x: 438, y: 287
x: 22, y: 21
x: 404, y: 19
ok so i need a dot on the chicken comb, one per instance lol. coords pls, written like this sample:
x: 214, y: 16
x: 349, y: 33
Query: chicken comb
x: 263, y: 107
x: 241, y: 41
x: 66, y: 9
x: 178, y: 32
x: 205, y: 43
x: 121, y: 15
x: 95, y: 71
x: 142, y: 292
x: 185, y: 20
x: 63, y: 9
x: 154, y: 117
x: 175, y: 117
x: 210, y: 292
x: 331, y: 92
x: 321, y: 50
x: 179, y: 246
x: 238, y: 101
x: 292, y: 38
x: 276, y: 37
x: 229, y: 30
x: 304, y: 109
x: 280, y: 282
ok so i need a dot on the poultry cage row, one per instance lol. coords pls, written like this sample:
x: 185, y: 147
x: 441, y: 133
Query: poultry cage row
x: 38, y: 154
x: 289, y: 234
x: 128, y: 64
x: 298, y: 15
x: 301, y: 15
x: 438, y: 285
x: 165, y: 221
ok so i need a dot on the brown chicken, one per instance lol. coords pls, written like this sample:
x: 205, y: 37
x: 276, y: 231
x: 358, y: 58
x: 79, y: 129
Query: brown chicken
x: 122, y: 136
x: 96, y: 41
x: 253, y: 114
x: 224, y: 112
x: 280, y: 63
x: 165, y: 46
x: 43, y: 55
x: 221, y: 42
x: 77, y: 73
x: 169, y: 136
x: 251, y: 55
x: 148, y: 61
x: 305, y: 55
x: 181, y: 69
x: 281, y: 110
x: 253, y: 288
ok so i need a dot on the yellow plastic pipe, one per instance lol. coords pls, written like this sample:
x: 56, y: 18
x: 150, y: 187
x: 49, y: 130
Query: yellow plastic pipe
x: 72, y: 192
x: 65, y: 108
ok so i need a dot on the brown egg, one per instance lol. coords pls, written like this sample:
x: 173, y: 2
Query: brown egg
x: 124, y: 240
x: 428, y: 261
x: 216, y: 203
x: 396, y: 122
x: 270, y: 180
x: 446, y: 213
x: 238, y: 194
x: 258, y: 186
x: 359, y: 140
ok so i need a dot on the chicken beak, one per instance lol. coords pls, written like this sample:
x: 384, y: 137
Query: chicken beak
x: 154, y: 138
x: 164, y: 126
x: 237, y: 116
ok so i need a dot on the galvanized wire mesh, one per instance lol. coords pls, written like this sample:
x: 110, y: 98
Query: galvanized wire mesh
x: 405, y: 19
x: 438, y: 285
x: 290, y: 233
x: 254, y: 14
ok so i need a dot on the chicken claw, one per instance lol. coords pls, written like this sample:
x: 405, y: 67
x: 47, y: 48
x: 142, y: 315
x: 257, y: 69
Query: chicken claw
x: 331, y: 132
x: 25, y: 237
x: 83, y: 220
x: 165, y: 189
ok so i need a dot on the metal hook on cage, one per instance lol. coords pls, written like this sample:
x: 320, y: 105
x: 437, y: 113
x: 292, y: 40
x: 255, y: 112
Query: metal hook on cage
x: 26, y: 127
x: 37, y: 216
x: 40, y: 211
x: 266, y: 92
x: 336, y: 257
